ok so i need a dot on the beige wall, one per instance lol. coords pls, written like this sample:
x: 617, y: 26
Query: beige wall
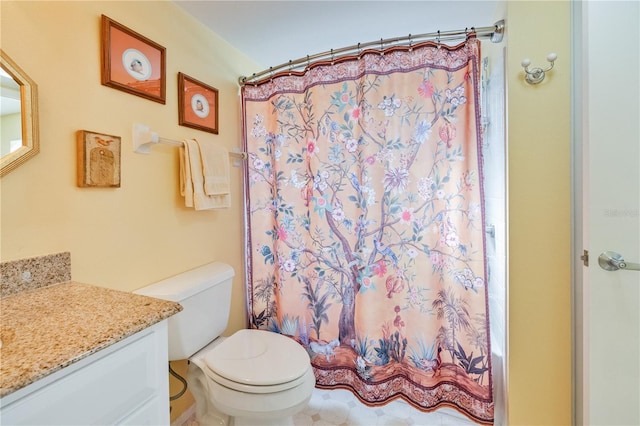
x: 132, y: 236
x: 539, y: 135
x: 128, y: 237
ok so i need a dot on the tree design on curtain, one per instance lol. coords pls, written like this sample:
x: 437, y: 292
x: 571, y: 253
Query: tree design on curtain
x: 365, y: 213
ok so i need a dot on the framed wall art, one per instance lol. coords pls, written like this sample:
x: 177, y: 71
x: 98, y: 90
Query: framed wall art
x: 197, y: 104
x: 132, y: 63
x: 98, y: 159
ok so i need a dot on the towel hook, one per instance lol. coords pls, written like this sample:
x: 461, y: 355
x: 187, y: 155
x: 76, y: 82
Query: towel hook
x: 537, y: 74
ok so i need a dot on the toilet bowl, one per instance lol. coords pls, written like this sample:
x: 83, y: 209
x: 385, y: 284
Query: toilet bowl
x: 253, y: 377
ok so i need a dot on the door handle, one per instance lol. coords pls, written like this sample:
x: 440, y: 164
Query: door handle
x: 612, y: 261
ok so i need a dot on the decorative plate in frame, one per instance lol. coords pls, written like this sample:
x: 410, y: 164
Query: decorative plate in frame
x: 131, y: 62
x: 197, y: 104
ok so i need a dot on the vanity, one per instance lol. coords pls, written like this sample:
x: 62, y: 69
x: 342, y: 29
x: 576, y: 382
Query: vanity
x: 73, y: 353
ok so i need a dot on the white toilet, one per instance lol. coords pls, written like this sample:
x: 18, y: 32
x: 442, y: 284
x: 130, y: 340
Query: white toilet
x: 253, y: 377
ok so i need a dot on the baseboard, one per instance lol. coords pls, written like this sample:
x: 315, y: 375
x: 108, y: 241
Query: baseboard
x: 187, y: 418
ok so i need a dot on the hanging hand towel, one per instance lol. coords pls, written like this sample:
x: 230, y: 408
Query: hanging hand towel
x: 193, y: 162
x: 215, y: 168
x: 186, y: 184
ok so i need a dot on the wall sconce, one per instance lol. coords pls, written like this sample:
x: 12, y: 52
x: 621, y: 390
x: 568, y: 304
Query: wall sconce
x: 536, y: 75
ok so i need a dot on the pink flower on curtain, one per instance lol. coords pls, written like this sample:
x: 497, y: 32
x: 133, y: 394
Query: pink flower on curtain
x: 312, y: 147
x: 366, y: 282
x: 321, y: 204
x: 282, y: 233
x: 380, y: 269
x: 469, y: 179
x: 355, y: 113
x: 447, y: 133
x: 425, y: 89
x: 406, y: 215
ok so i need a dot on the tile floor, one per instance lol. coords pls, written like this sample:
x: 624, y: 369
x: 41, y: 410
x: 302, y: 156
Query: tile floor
x: 341, y: 408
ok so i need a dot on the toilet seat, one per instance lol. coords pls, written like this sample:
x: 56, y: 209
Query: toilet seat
x: 258, y: 361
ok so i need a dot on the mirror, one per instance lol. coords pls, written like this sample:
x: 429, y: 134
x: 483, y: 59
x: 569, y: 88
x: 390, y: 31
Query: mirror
x: 18, y: 115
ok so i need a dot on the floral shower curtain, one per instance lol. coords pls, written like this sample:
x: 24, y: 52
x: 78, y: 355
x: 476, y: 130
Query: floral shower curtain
x: 365, y: 223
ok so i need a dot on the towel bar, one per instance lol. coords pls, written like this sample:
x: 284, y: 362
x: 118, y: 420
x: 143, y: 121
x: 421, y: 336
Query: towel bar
x: 143, y: 138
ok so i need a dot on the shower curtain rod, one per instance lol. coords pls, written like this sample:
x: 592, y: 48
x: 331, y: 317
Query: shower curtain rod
x: 495, y: 33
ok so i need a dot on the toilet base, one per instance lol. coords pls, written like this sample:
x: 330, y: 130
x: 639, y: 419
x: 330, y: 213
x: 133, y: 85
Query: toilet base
x: 216, y: 408
x: 266, y: 420
x: 240, y: 421
x: 210, y: 419
x: 207, y: 414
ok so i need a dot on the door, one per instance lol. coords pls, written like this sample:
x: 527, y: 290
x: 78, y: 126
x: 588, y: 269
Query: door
x: 607, y: 140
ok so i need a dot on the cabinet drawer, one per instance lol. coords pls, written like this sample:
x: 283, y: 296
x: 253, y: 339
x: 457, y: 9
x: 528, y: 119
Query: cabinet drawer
x: 105, y: 388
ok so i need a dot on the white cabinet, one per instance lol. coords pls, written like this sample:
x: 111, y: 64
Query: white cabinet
x: 125, y: 384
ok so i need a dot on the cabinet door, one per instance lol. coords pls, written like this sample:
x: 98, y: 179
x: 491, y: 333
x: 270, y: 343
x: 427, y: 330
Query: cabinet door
x: 109, y: 387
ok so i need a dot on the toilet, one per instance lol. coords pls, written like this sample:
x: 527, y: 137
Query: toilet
x: 253, y: 377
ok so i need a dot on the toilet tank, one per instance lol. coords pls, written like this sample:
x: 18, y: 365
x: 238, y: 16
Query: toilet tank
x: 205, y: 296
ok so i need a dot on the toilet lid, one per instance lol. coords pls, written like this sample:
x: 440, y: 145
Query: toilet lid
x: 258, y: 358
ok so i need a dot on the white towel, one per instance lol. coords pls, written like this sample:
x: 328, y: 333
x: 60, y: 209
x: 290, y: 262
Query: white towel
x: 186, y: 184
x: 192, y: 180
x: 215, y: 168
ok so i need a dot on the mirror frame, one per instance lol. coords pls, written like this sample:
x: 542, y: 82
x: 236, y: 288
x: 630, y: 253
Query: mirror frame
x: 29, y: 113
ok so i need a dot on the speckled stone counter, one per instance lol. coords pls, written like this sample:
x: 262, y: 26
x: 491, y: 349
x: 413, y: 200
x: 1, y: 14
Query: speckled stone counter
x: 49, y: 328
x: 34, y: 272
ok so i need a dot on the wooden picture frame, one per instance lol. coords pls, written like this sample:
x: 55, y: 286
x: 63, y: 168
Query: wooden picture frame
x: 98, y: 159
x: 132, y: 63
x: 197, y: 104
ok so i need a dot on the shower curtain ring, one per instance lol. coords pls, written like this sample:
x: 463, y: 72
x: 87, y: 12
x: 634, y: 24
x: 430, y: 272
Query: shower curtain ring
x: 438, y: 40
x: 410, y: 42
x: 331, y: 56
x: 290, y: 67
x: 308, y: 62
x: 358, y: 50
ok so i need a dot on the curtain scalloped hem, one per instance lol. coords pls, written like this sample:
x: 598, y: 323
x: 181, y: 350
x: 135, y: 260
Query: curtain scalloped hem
x: 445, y: 393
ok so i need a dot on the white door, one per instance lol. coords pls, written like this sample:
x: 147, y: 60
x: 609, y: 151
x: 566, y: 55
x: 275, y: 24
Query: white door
x: 607, y: 326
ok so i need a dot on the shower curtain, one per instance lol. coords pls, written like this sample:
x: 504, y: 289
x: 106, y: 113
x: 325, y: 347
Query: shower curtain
x: 365, y: 223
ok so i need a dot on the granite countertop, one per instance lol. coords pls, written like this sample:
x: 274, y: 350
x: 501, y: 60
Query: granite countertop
x: 47, y: 329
